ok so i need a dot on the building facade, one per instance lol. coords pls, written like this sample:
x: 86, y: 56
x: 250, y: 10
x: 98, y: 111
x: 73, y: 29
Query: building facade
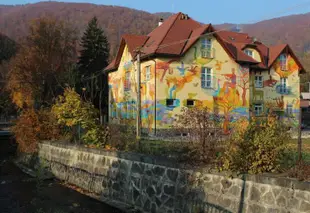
x: 186, y: 64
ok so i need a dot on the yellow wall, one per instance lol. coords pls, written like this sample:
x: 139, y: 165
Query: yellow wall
x: 271, y: 94
x: 122, y: 103
x: 256, y: 54
x: 180, y: 79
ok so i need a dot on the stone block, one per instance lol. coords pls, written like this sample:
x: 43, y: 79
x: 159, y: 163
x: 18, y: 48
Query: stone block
x: 293, y: 203
x: 235, y: 190
x: 255, y: 194
x: 158, y: 201
x: 123, y: 166
x: 254, y: 208
x: 150, y: 191
x: 169, y: 190
x: 304, y: 195
x: 147, y: 206
x: 305, y: 206
x: 172, y: 174
x: 281, y: 201
x: 153, y: 208
x: 169, y: 203
x: 223, y: 202
x: 158, y: 170
x: 115, y: 164
x: 226, y: 184
x: 268, y: 199
x: 136, y: 168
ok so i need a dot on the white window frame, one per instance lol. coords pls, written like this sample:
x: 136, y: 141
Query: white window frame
x: 258, y: 109
x: 283, y: 61
x: 289, y: 109
x: 206, y: 48
x: 259, y: 81
x: 283, y: 85
x: 206, y: 77
x: 249, y: 52
x: 147, y: 73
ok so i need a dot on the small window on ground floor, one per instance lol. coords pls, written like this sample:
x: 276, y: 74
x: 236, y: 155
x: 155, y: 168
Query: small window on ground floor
x: 258, y: 109
x: 289, y: 109
x: 190, y: 102
x: 170, y: 102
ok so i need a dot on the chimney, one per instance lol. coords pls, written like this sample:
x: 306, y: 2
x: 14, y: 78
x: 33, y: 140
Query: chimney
x: 160, y: 22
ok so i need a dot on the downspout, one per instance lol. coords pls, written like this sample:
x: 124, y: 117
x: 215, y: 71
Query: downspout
x: 155, y: 101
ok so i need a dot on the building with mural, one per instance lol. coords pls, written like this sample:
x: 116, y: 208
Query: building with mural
x: 187, y: 64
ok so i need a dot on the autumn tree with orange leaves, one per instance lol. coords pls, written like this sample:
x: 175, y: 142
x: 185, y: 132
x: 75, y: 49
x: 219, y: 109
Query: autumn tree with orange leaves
x: 38, y: 73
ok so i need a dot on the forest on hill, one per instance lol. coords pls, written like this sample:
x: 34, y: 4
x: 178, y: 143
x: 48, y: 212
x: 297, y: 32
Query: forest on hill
x: 294, y: 29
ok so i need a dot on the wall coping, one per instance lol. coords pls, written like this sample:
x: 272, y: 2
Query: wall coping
x: 271, y: 179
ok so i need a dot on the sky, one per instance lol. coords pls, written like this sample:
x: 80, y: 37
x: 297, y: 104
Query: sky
x: 216, y: 12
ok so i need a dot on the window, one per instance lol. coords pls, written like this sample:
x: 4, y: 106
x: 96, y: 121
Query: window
x: 249, y: 53
x: 127, y: 81
x: 206, y: 48
x: 258, y: 109
x: 289, y: 109
x: 283, y: 61
x: 147, y: 73
x: 283, y: 85
x: 190, y: 102
x: 170, y: 102
x: 259, y: 81
x: 206, y: 77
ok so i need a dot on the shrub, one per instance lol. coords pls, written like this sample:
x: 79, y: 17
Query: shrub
x: 256, y: 147
x: 202, y: 132
x: 79, y: 117
x: 122, y: 137
x: 33, y: 126
x: 301, y: 171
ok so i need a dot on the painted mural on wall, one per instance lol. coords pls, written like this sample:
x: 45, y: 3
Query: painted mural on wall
x: 280, y: 90
x: 228, y: 94
x: 172, y: 82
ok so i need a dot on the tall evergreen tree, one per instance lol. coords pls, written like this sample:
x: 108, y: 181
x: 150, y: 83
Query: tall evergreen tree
x: 93, y: 59
x: 94, y: 55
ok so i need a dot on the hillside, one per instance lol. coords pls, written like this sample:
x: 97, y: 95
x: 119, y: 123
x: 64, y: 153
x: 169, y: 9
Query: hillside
x: 294, y: 30
x: 115, y: 20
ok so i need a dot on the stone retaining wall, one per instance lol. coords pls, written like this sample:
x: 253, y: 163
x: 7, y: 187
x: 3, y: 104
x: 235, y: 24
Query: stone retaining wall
x: 158, y: 185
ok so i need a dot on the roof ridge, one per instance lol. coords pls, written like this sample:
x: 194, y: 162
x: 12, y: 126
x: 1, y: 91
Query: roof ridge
x: 176, y: 18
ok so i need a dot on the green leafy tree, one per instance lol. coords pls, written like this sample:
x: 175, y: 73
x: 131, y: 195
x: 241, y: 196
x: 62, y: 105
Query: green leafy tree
x: 257, y: 146
x: 93, y: 59
x: 80, y: 118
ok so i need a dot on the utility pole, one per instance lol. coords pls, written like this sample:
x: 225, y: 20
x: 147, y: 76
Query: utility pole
x: 299, y: 133
x: 138, y: 125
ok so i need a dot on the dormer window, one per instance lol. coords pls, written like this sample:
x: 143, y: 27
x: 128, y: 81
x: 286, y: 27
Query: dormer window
x: 206, y: 48
x: 249, y: 53
x: 283, y: 61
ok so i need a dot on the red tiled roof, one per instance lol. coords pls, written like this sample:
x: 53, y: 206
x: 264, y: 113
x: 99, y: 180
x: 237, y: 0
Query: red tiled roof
x: 195, y: 36
x: 134, y: 41
x: 179, y: 32
x: 274, y: 52
x: 111, y: 66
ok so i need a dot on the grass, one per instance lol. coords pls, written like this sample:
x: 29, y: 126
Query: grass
x: 162, y: 148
